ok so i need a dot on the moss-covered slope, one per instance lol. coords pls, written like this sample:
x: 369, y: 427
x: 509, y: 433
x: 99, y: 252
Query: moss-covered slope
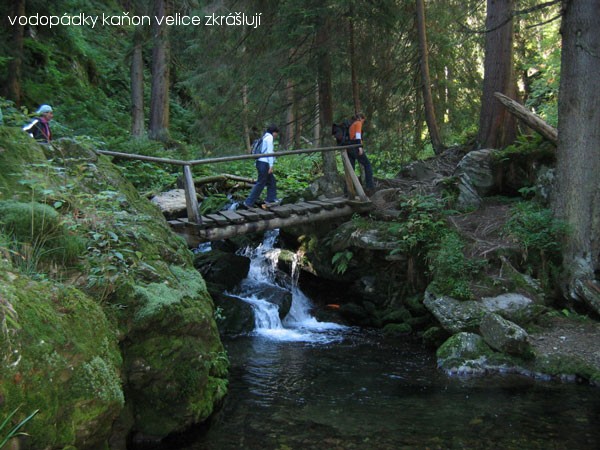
x: 89, y: 236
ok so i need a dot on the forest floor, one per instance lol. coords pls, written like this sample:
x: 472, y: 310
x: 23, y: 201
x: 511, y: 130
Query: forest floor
x: 564, y: 334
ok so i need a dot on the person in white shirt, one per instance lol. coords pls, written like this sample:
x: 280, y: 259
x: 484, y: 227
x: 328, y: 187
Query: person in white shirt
x: 264, y: 168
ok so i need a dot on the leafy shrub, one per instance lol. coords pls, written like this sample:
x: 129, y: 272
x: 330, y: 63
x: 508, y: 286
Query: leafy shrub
x: 451, y: 270
x: 538, y: 235
x: 420, y: 226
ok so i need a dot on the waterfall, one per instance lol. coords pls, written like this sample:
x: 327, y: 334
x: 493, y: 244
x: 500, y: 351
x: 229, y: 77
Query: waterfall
x: 265, y: 282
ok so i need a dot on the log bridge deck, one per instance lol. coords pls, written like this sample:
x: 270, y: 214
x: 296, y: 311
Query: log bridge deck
x: 226, y: 224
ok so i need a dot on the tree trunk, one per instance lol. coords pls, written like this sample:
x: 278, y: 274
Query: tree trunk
x: 325, y: 99
x: 353, y: 63
x: 137, y: 86
x: 317, y: 117
x: 245, y: 124
x: 497, y: 128
x: 578, y: 153
x: 434, y: 132
x: 290, y: 121
x: 159, y: 96
x: 13, y: 83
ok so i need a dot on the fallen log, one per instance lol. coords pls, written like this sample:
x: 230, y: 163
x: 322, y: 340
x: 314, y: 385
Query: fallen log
x: 530, y: 119
x: 223, y: 177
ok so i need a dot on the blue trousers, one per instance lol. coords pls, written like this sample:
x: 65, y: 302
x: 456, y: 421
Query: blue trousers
x: 353, y: 156
x: 264, y: 178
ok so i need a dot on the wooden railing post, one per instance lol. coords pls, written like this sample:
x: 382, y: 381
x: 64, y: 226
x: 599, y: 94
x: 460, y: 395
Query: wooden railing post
x: 354, y: 187
x: 191, y: 201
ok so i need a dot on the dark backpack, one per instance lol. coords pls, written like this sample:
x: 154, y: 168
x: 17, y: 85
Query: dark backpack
x: 257, y: 147
x: 341, y: 132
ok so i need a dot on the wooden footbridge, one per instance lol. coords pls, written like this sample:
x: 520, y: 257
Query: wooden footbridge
x: 198, y: 228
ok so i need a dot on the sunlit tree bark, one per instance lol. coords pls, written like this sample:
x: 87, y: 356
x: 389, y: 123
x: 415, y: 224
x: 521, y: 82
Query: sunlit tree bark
x: 577, y: 199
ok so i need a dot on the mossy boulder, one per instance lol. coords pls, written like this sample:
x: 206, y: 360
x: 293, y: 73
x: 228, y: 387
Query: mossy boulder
x: 464, y: 353
x: 175, y: 364
x: 454, y: 315
x: 141, y: 281
x: 60, y: 355
x: 505, y: 336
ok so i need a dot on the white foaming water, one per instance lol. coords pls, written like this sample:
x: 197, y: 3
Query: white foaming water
x: 299, y: 324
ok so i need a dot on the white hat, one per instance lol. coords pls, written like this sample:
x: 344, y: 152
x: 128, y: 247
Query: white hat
x: 44, y: 109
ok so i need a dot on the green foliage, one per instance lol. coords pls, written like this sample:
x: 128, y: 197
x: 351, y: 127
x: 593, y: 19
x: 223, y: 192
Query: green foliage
x: 7, y: 435
x: 341, y: 260
x: 539, y: 235
x: 542, y: 68
x: 451, y: 270
x: 420, y: 226
x: 214, y: 203
x: 149, y: 177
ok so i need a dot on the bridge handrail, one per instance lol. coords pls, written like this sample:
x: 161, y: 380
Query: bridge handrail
x: 354, y: 187
x: 196, y: 162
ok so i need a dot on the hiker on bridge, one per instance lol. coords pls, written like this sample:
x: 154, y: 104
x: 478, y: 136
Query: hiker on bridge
x: 39, y: 128
x: 358, y: 153
x: 264, y: 168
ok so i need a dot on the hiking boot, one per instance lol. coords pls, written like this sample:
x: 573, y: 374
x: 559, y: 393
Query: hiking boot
x: 275, y: 202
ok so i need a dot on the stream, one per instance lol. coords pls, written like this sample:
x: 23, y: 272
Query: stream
x: 304, y: 384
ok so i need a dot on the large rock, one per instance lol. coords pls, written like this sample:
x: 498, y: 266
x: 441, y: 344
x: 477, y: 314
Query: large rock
x: 235, y: 316
x: 222, y: 268
x: 505, y: 336
x: 476, y: 177
x: 59, y: 354
x: 137, y: 273
x: 514, y: 307
x: 454, y: 315
x: 172, y: 203
x: 464, y: 353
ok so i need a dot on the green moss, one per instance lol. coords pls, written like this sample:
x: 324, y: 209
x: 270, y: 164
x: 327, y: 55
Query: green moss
x: 397, y: 329
x: 58, y: 339
x: 98, y: 378
x: 156, y: 296
x: 18, y: 153
x: 567, y: 366
x: 59, y: 343
x: 460, y: 348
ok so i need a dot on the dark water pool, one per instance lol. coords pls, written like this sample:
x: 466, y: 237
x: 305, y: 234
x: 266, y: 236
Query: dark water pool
x: 356, y: 389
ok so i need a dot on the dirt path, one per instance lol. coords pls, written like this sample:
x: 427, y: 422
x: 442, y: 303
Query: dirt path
x: 569, y: 337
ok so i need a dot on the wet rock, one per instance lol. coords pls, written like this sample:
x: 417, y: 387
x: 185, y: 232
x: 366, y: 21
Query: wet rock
x: 276, y: 295
x: 234, y: 316
x: 505, y: 336
x: 222, y: 268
